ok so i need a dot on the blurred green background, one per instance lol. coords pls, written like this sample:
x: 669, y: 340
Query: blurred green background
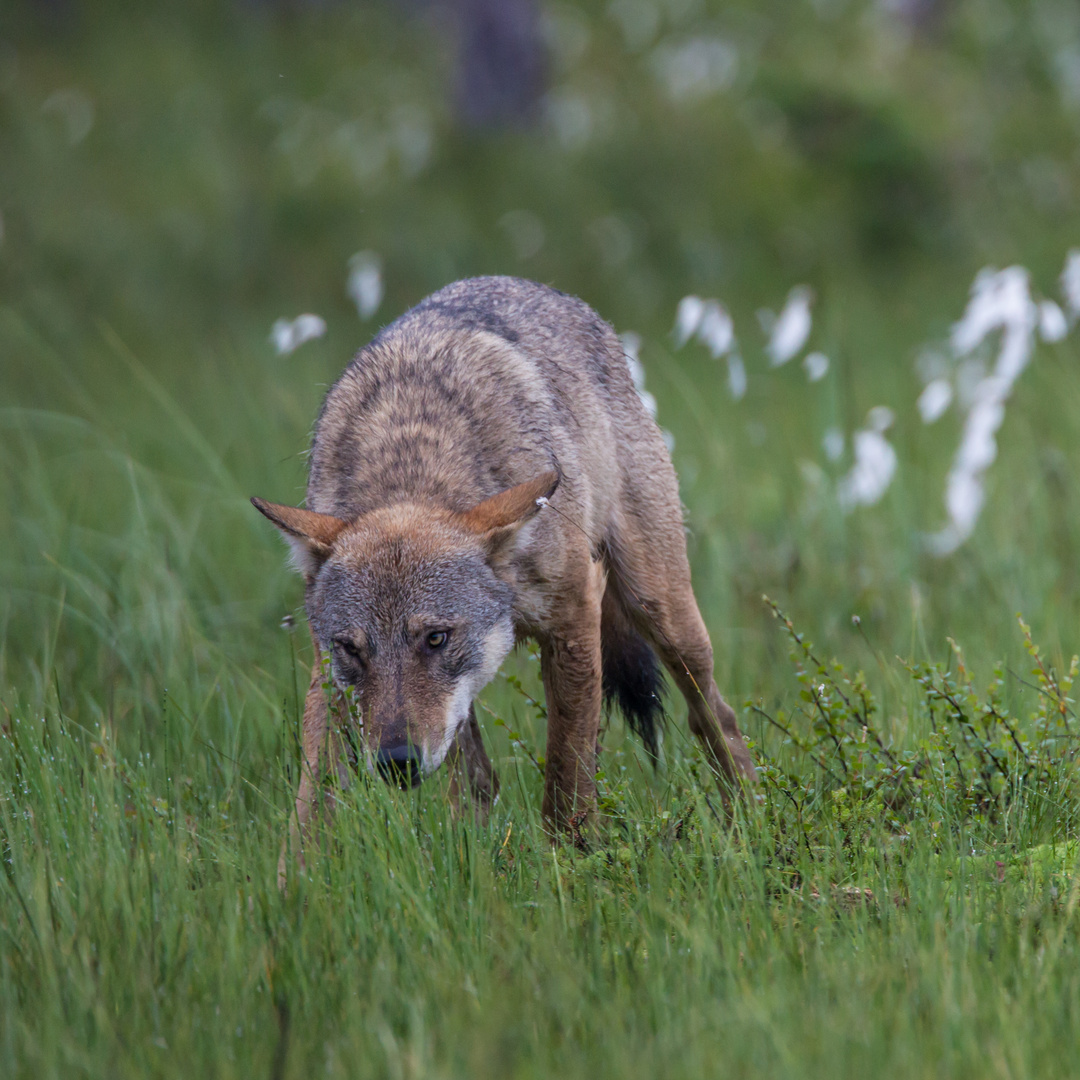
x: 175, y: 180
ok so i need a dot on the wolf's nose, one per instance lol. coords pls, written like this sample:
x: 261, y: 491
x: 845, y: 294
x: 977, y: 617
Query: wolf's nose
x: 400, y: 764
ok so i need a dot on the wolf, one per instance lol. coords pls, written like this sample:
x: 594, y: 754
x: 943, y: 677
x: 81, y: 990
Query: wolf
x: 484, y: 472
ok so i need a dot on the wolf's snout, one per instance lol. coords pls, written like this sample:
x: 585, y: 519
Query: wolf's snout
x: 400, y: 764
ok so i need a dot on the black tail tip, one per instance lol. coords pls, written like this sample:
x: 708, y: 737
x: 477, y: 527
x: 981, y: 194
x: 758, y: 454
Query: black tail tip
x: 634, y: 682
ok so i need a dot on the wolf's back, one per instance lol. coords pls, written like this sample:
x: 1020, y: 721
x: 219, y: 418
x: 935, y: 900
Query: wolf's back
x: 480, y: 386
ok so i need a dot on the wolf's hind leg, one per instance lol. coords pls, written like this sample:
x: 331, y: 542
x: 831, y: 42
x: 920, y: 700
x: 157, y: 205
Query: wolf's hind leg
x: 655, y: 591
x: 684, y: 646
x: 471, y: 768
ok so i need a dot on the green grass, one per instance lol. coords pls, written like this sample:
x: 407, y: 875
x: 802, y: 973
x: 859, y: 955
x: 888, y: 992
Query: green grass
x: 150, y: 696
x: 144, y: 934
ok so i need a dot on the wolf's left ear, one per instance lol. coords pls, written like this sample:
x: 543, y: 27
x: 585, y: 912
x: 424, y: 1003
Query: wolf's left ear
x: 497, y: 519
x: 311, y: 536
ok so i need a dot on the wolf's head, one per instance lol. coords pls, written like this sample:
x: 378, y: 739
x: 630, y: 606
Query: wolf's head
x: 408, y: 604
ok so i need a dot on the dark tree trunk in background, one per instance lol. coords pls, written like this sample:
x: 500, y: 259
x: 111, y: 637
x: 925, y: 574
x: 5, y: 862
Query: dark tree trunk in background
x: 501, y: 62
x: 923, y: 16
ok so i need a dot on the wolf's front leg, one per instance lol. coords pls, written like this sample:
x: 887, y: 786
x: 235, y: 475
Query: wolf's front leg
x: 320, y: 744
x: 571, y: 665
x: 312, y: 769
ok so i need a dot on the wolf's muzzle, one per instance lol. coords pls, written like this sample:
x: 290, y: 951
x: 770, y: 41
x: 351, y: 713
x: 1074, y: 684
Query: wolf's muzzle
x: 400, y: 764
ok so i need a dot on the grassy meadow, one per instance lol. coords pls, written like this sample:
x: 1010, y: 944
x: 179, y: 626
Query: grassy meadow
x: 901, y: 896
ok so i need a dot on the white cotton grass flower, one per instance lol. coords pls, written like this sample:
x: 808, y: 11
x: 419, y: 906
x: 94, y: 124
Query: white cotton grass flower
x: 880, y: 418
x: 816, y: 366
x: 631, y: 345
x: 688, y: 316
x: 791, y: 328
x: 875, y: 465
x: 1070, y: 282
x: 715, y: 330
x: 936, y: 397
x: 1000, y: 300
x: 832, y: 443
x: 970, y: 373
x: 736, y: 374
x: 964, y: 495
x: 288, y: 336
x: 1053, y: 326
x: 709, y: 322
x: 365, y: 284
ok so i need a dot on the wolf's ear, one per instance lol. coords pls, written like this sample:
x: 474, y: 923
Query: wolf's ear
x: 497, y: 519
x: 311, y: 536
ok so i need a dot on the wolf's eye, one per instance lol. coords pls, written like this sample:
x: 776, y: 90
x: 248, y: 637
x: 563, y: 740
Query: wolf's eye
x: 349, y: 648
x: 437, y: 639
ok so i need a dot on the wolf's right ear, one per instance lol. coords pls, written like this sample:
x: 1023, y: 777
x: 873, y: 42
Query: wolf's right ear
x: 311, y: 536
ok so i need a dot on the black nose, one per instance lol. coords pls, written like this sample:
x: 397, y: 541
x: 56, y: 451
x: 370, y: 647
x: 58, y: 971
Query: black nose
x: 400, y: 764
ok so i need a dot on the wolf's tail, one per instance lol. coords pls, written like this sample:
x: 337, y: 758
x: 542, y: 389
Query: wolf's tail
x: 633, y: 679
